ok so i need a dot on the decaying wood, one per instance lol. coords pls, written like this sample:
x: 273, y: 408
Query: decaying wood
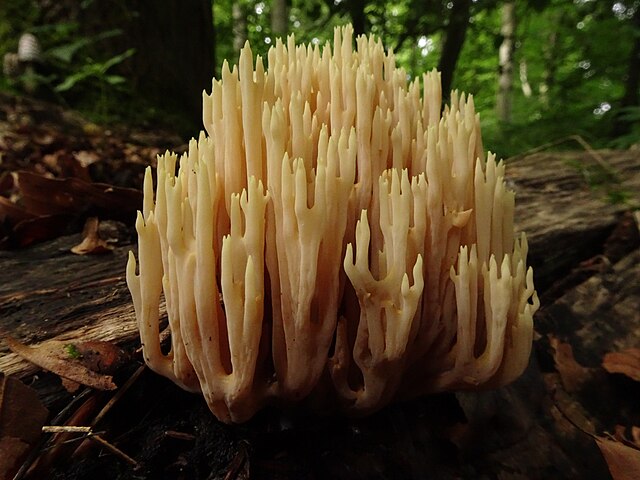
x: 48, y: 292
x: 563, y: 202
x: 602, y: 314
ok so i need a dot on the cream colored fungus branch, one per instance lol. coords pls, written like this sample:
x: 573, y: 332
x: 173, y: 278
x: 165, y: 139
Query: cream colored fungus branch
x: 334, y: 238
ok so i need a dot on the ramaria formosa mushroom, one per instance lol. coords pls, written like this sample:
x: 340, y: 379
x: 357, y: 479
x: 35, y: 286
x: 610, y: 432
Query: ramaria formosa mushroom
x: 333, y: 238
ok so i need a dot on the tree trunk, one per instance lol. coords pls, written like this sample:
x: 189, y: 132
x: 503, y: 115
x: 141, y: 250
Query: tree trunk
x: 548, y: 53
x: 505, y: 58
x: 239, y: 26
x: 279, y: 18
x: 174, y: 55
x: 630, y: 98
x: 173, y: 43
x: 358, y: 18
x: 455, y: 34
x: 524, y: 79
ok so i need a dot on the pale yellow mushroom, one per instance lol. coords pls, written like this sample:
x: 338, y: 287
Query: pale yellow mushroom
x: 332, y: 239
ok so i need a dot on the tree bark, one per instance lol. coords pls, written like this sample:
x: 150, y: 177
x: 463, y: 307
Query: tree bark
x: 455, y: 34
x: 174, y: 56
x: 239, y: 26
x: 524, y: 79
x: 631, y: 97
x: 358, y: 18
x: 505, y: 58
x: 279, y: 18
x: 548, y: 53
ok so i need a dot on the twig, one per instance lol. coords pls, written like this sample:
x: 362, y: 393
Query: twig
x: 65, y: 429
x: 90, y: 435
x: 188, y: 437
x: 44, y: 439
x: 238, y: 463
x: 566, y: 416
x: 87, y: 430
x: 576, y: 138
x: 115, y: 450
x: 540, y: 148
x: 118, y: 395
x: 589, y: 149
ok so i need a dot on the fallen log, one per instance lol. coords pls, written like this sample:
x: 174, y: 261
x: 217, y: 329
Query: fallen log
x: 47, y: 292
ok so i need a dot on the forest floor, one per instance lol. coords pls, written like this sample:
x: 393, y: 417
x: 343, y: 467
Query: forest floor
x: 68, y: 195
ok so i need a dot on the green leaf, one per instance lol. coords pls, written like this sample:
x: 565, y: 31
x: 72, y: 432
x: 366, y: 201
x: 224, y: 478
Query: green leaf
x: 117, y: 59
x: 115, y: 79
x: 70, y: 81
x: 65, y: 53
x: 72, y: 351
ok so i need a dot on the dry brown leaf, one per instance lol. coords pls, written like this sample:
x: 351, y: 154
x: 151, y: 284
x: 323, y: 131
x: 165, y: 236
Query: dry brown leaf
x: 70, y: 386
x: 572, y: 374
x: 101, y: 357
x: 44, y: 139
x: 22, y: 416
x: 91, y: 243
x: 6, y: 183
x: 61, y: 445
x: 567, y: 412
x: 619, y: 433
x: 12, y: 213
x: 626, y: 362
x: 86, y: 157
x: 64, y: 359
x: 13, y: 451
x: 48, y: 196
x: 38, y: 229
x: 63, y: 163
x: 623, y: 461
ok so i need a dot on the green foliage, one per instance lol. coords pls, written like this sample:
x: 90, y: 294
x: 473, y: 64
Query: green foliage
x: 630, y: 115
x: 16, y: 17
x: 575, y: 79
x: 78, y: 73
x: 73, y: 68
x: 72, y: 351
x: 96, y: 72
x: 311, y: 21
x: 571, y: 57
x: 563, y: 47
x: 66, y: 52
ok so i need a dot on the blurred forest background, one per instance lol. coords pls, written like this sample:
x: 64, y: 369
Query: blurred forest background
x: 540, y: 70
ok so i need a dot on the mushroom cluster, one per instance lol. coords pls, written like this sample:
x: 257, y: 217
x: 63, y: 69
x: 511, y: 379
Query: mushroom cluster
x: 335, y: 238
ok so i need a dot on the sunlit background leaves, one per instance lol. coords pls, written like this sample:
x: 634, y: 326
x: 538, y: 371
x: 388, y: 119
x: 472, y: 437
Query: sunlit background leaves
x: 572, y: 61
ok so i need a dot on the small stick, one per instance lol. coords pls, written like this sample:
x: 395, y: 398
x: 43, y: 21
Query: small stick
x: 65, y: 429
x: 121, y: 391
x: 115, y: 450
x: 40, y: 447
x: 576, y: 138
x: 179, y: 435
